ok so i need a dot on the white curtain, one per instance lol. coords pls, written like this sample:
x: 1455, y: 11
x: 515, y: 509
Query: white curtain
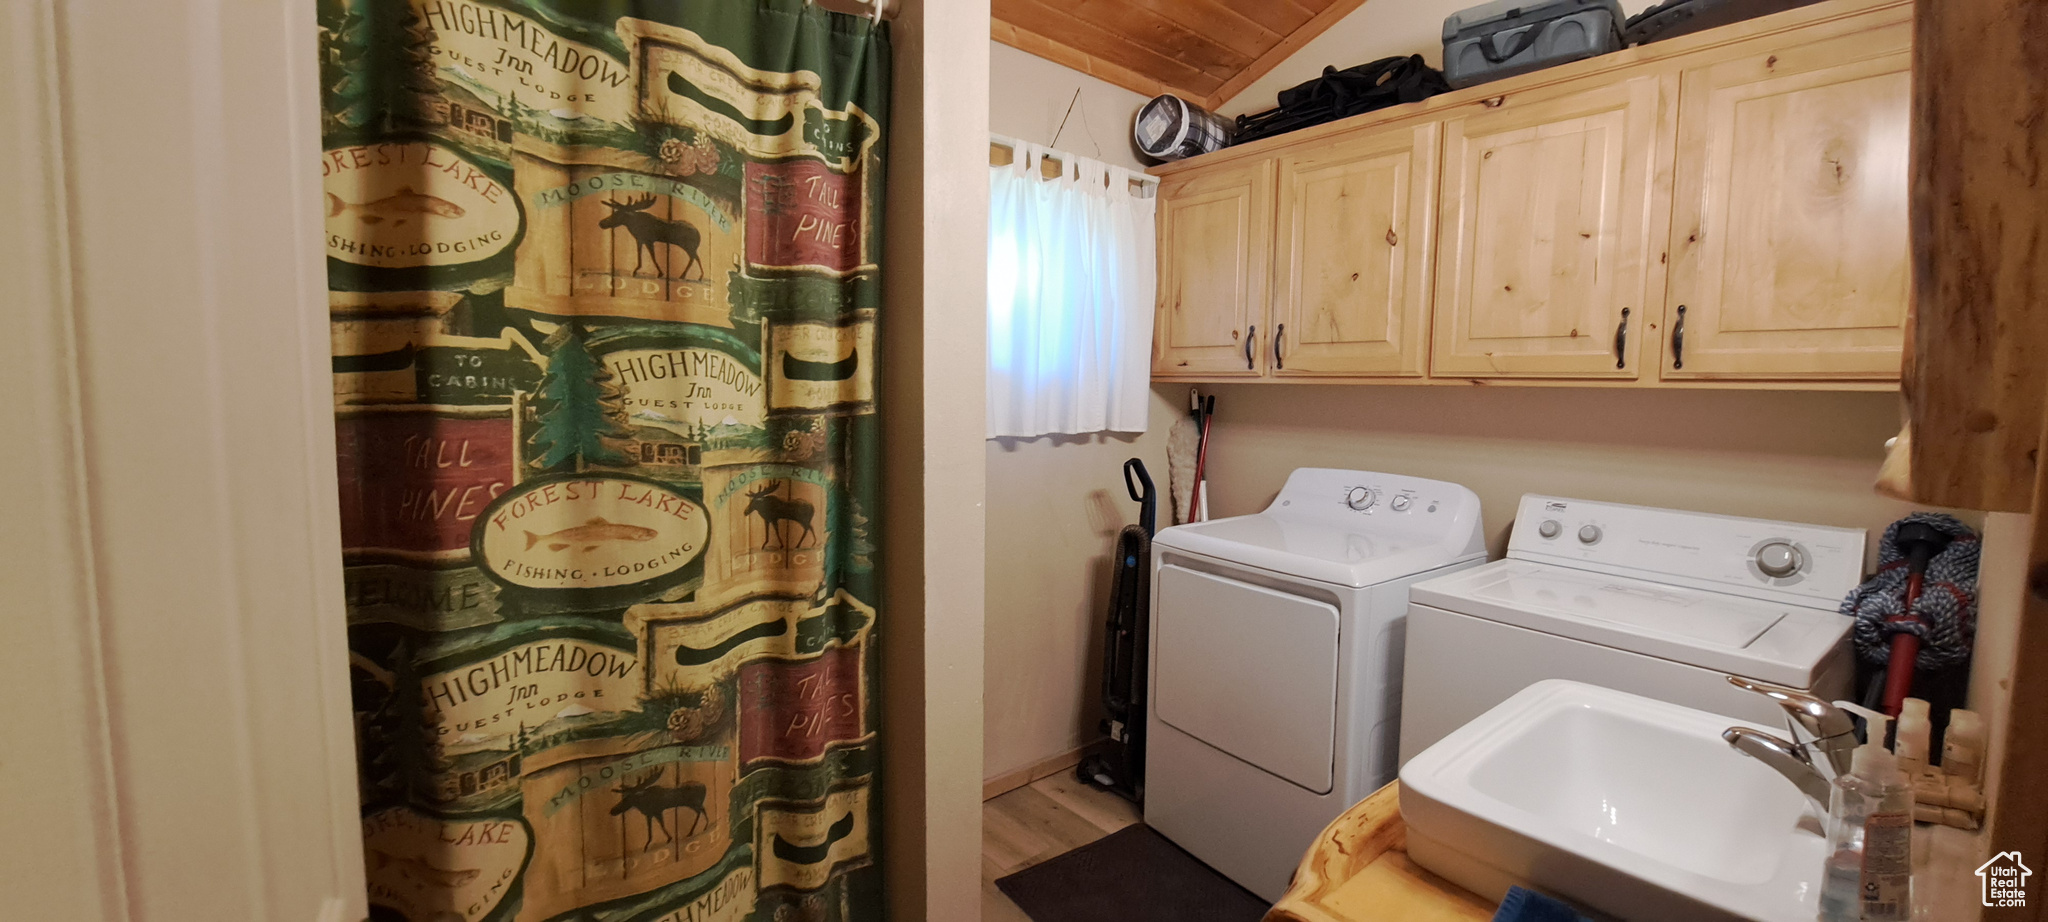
x: 1070, y: 288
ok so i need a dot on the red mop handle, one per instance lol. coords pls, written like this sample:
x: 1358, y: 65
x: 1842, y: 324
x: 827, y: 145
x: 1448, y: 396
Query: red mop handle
x: 1898, y: 673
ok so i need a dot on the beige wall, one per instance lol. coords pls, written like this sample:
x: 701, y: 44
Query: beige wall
x: 1055, y: 504
x: 932, y: 373
x: 1797, y: 456
x: 1029, y: 95
x: 2001, y: 600
x: 1377, y: 29
x: 1055, y: 507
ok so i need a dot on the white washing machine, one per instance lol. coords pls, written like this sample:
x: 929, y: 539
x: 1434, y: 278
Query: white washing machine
x: 1276, y: 661
x: 1656, y: 602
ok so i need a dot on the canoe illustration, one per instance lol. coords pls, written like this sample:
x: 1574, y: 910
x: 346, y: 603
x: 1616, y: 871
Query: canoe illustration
x: 796, y: 369
x: 395, y: 360
x: 812, y: 854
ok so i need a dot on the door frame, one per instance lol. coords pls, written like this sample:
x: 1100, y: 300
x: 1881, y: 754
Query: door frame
x: 173, y: 581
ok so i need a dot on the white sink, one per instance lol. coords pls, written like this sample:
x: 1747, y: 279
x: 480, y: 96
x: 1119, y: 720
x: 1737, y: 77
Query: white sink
x: 1624, y: 805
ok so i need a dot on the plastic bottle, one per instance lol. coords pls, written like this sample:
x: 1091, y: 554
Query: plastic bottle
x: 1870, y: 834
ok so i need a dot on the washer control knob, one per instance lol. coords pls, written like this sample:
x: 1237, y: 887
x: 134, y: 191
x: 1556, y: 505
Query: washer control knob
x: 1589, y: 534
x: 1360, y: 498
x: 1549, y: 528
x: 1400, y: 503
x: 1778, y: 559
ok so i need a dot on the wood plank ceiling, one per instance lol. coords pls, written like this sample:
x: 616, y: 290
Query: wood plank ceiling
x: 1204, y: 51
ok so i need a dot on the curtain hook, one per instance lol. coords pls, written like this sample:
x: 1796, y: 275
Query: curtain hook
x: 876, y: 23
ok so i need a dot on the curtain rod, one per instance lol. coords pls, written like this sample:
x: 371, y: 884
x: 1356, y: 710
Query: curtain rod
x: 1006, y: 146
x: 1002, y: 151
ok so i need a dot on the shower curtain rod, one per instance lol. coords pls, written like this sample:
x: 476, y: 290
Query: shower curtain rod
x: 873, y: 9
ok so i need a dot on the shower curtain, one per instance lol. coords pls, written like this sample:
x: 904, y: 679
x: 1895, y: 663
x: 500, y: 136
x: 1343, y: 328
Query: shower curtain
x: 604, y: 286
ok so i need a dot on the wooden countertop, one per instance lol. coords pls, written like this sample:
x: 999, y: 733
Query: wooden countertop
x: 1358, y: 871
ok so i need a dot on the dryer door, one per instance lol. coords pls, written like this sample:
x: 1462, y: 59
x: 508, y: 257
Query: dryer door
x: 1250, y: 671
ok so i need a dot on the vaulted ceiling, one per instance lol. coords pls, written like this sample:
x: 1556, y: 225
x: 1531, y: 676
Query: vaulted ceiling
x: 1204, y: 51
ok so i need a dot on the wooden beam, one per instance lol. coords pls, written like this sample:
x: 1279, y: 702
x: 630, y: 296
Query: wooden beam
x: 1977, y: 371
x: 1285, y: 49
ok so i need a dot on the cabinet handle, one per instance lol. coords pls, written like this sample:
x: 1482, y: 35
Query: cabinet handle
x: 1279, y: 333
x: 1251, y: 336
x: 1621, y: 341
x: 1678, y: 340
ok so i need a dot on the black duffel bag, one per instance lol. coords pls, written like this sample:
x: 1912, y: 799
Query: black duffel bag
x: 1344, y: 93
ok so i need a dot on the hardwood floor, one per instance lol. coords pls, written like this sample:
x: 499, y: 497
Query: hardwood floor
x: 1045, y: 818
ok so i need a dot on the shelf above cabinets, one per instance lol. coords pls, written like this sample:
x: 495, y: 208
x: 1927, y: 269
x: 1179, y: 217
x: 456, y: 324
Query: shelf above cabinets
x: 1726, y: 209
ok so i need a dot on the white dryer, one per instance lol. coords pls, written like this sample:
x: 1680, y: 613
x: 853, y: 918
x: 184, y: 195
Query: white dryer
x: 1276, y: 661
x: 1656, y: 602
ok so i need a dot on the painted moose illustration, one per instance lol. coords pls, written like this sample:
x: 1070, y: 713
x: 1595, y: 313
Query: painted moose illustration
x: 649, y: 232
x: 774, y: 510
x: 654, y: 800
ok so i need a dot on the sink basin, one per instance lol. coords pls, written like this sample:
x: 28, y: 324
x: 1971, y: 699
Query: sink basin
x: 1627, y: 806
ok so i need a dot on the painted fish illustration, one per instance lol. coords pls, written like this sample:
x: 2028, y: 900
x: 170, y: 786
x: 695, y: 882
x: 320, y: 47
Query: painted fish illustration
x: 396, y: 207
x: 590, y: 534
x: 419, y: 869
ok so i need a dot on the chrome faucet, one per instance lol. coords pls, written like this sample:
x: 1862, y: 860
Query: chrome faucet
x: 1829, y: 731
x: 1788, y: 759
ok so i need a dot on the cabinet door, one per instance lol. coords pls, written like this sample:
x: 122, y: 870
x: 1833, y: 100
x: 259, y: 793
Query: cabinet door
x: 1353, y: 258
x: 1546, y: 232
x: 1789, y: 248
x: 1215, y: 244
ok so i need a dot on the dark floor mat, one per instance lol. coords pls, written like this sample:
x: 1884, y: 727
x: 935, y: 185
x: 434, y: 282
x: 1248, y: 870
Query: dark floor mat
x: 1133, y: 875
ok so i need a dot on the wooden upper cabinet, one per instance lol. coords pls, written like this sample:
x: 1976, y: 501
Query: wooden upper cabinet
x: 1215, y: 246
x: 1789, y: 245
x: 1352, y: 283
x: 1545, y: 235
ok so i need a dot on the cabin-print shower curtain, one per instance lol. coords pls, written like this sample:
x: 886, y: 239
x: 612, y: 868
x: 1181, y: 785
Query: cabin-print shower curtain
x: 604, y: 287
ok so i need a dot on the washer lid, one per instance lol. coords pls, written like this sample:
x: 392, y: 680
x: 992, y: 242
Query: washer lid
x: 1771, y: 641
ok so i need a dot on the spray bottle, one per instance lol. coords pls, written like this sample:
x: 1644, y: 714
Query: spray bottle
x: 1870, y: 834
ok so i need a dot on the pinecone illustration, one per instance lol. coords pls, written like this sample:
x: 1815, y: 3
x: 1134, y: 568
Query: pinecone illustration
x: 674, y: 152
x: 707, y: 155
x: 689, y: 724
x: 812, y: 910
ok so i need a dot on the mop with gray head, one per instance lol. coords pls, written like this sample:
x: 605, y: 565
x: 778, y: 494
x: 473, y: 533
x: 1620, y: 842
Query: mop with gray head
x: 1944, y: 617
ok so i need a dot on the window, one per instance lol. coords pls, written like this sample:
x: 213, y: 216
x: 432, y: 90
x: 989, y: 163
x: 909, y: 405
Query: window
x: 1070, y: 288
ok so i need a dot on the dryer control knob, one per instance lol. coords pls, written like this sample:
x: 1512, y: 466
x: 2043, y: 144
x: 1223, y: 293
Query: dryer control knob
x: 1360, y: 498
x: 1549, y: 528
x: 1399, y: 504
x: 1589, y: 534
x: 1778, y: 559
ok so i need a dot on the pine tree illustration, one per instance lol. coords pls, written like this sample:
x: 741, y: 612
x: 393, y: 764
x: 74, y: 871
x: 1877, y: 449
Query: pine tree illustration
x: 581, y: 411
x: 393, y: 748
x: 334, y: 19
x: 383, y: 54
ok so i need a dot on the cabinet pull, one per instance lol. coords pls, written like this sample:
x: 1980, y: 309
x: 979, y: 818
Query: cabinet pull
x: 1250, y: 336
x: 1279, y: 333
x: 1621, y: 341
x: 1678, y: 340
